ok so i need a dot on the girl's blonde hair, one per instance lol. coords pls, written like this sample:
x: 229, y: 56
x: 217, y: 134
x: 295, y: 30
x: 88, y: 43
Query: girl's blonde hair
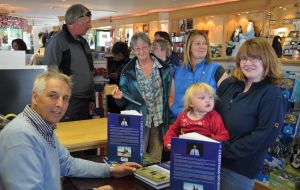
x: 190, y: 92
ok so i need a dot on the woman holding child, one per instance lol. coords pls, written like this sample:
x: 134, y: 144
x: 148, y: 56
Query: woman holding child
x: 251, y: 106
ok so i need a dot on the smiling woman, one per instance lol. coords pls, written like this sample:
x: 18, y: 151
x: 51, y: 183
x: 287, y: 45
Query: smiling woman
x: 196, y: 67
x: 252, y: 99
x: 144, y: 86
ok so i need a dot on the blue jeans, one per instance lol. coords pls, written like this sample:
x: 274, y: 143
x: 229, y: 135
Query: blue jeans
x: 231, y: 180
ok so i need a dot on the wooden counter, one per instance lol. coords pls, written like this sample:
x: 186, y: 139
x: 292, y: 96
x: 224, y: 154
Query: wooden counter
x: 83, y: 135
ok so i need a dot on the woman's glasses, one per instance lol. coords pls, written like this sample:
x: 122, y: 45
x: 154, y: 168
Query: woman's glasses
x: 87, y: 14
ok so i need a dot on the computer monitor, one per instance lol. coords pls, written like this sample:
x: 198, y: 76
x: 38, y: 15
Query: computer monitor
x: 16, y: 87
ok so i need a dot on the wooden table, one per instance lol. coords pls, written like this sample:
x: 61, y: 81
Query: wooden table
x: 83, y: 135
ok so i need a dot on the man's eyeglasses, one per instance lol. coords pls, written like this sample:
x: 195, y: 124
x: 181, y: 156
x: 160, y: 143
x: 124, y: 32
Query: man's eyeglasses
x: 87, y: 14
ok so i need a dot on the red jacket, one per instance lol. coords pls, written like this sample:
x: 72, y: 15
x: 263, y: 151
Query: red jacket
x: 211, y: 125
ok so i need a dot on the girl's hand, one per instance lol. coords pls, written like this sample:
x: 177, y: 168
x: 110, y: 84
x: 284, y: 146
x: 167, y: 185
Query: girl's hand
x: 169, y: 146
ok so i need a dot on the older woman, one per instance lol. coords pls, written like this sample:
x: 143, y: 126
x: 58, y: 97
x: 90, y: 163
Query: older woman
x: 162, y: 35
x: 196, y: 67
x: 163, y: 50
x: 251, y: 106
x: 144, y: 86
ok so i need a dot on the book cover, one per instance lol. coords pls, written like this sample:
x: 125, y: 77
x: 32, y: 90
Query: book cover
x: 195, y: 163
x: 125, y: 138
x: 157, y: 175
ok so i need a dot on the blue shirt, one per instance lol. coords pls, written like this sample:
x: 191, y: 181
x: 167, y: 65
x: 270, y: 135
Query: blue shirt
x: 29, y: 162
x: 184, y: 76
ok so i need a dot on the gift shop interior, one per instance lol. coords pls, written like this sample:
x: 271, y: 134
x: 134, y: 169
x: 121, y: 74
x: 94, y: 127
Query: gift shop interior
x: 228, y: 24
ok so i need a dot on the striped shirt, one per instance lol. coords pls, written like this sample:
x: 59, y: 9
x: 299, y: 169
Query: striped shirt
x: 152, y: 92
x: 46, y: 130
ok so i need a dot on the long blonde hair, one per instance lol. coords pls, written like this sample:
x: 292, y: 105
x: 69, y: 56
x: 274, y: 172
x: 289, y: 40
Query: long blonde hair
x: 190, y: 92
x: 187, y: 49
x: 259, y: 48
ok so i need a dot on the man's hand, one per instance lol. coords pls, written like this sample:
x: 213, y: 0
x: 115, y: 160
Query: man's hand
x: 92, y: 107
x: 124, y: 169
x: 106, y: 187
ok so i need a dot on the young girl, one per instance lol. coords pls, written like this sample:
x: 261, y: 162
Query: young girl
x: 198, y: 116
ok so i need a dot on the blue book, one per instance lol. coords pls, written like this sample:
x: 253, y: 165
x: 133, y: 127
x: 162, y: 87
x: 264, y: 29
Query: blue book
x: 125, y: 138
x: 195, y: 162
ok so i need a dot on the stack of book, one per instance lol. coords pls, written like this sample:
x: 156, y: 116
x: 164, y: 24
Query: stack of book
x: 157, y: 175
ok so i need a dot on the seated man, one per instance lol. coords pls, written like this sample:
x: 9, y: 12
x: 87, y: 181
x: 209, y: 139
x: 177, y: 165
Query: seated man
x: 31, y: 157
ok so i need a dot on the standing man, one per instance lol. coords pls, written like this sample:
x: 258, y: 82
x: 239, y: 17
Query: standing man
x: 31, y: 157
x: 69, y: 53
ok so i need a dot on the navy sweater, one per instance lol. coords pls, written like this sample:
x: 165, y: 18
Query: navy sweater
x: 253, y: 120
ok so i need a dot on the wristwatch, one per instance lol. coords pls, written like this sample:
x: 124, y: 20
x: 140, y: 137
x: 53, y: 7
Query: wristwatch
x: 111, y: 167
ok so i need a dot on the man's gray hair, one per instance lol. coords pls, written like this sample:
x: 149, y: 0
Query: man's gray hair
x: 139, y: 36
x: 76, y: 11
x: 41, y: 80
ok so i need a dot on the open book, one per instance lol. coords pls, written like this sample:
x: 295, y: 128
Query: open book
x: 157, y: 175
x: 195, y: 162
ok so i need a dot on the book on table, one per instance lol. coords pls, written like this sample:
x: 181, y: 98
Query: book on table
x: 125, y: 138
x: 195, y: 162
x: 156, y: 176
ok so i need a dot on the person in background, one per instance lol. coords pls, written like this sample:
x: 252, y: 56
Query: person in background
x: 252, y: 108
x: 31, y: 156
x: 19, y: 45
x: 69, y: 53
x: 144, y: 86
x: 198, y: 116
x: 42, y: 39
x: 115, y: 65
x: 174, y: 59
x: 163, y: 50
x: 277, y: 46
x: 196, y: 67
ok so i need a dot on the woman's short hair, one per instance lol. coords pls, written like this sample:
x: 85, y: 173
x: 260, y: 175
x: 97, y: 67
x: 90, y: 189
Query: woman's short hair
x: 164, y: 35
x: 139, y: 36
x: 164, y: 45
x: 39, y: 84
x: 187, y: 49
x: 120, y: 47
x: 192, y: 89
x: 76, y: 11
x: 259, y: 48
